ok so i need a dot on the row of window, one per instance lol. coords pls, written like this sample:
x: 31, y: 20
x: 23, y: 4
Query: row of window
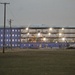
x: 13, y: 40
x: 16, y: 35
x: 13, y: 30
x: 14, y: 45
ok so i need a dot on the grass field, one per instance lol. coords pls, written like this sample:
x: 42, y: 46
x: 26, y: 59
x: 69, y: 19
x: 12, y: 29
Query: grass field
x: 53, y: 62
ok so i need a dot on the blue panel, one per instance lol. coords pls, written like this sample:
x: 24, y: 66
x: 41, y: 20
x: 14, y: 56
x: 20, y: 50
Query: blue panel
x: 16, y: 36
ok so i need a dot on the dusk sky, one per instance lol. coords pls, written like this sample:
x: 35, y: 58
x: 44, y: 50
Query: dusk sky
x: 49, y: 12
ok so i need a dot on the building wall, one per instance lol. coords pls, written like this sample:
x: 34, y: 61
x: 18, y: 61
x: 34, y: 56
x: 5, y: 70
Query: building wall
x: 50, y: 34
x: 21, y: 37
x: 54, y: 37
x: 13, y: 34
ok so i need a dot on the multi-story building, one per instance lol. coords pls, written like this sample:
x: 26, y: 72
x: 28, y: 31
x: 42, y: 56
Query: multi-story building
x: 24, y: 37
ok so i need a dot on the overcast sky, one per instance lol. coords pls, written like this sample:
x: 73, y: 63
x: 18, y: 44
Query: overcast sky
x: 49, y: 12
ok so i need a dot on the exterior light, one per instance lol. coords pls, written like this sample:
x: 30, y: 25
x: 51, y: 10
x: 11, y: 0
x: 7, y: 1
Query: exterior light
x: 50, y: 29
x: 62, y: 28
x: 27, y: 28
x: 27, y: 33
x: 60, y: 34
x: 56, y: 42
x: 49, y: 33
x: 63, y: 39
x: 44, y: 39
x: 39, y: 34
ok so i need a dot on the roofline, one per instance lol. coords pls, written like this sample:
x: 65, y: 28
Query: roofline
x: 41, y: 27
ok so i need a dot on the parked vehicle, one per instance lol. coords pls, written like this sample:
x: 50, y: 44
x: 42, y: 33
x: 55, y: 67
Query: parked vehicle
x: 71, y: 46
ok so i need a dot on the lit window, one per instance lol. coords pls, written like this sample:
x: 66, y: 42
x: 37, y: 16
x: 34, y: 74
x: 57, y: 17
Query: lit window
x: 7, y: 35
x: 12, y: 44
x: 16, y: 40
x: 15, y: 30
x: 1, y: 35
x: 12, y: 34
x: 15, y: 44
x: 13, y: 40
x: 6, y: 39
x: 15, y: 35
x: 1, y: 40
x: 12, y: 30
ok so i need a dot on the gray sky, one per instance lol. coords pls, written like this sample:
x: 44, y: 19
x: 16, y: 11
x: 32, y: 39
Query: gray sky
x: 49, y: 12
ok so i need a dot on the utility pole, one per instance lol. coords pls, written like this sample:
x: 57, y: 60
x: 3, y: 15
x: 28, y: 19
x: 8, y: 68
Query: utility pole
x: 10, y: 21
x: 4, y: 25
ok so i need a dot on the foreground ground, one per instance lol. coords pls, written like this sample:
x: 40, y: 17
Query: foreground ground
x: 37, y: 62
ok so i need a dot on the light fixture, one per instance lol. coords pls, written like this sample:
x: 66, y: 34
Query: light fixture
x: 62, y: 28
x: 27, y: 29
x: 39, y: 34
x: 63, y: 39
x: 50, y: 29
x: 28, y: 33
x: 49, y: 33
x: 44, y: 39
x: 60, y: 34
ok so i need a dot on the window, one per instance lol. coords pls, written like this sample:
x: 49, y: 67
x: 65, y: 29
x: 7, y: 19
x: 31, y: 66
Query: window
x: 24, y: 44
x: 1, y: 40
x: 15, y: 35
x: 1, y: 35
x: 12, y: 30
x: 16, y: 40
x: 13, y: 45
x: 15, y: 30
x: 6, y: 39
x: 13, y: 40
x: 12, y: 34
x: 7, y: 35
